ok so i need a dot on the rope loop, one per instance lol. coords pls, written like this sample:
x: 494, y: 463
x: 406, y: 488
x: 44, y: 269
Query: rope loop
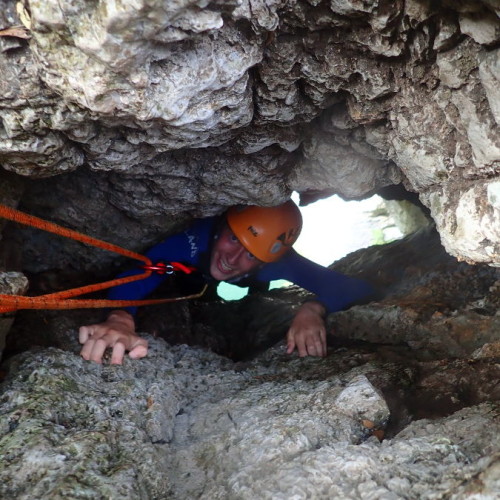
x: 61, y: 300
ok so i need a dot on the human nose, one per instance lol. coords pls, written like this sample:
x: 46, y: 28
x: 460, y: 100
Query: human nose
x: 235, y: 255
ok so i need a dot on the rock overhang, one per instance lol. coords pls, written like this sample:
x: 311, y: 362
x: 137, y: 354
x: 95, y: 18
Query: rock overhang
x: 155, y: 111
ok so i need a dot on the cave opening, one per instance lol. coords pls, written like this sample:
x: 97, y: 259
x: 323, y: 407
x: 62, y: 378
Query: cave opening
x: 333, y: 228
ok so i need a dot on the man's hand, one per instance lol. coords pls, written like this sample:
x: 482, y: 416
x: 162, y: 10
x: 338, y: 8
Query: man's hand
x: 117, y: 332
x: 307, y: 332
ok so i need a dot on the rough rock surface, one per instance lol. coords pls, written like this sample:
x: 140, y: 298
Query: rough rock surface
x: 428, y: 301
x: 11, y: 283
x: 156, y: 110
x: 404, y: 406
x: 184, y: 423
x: 127, y: 119
x: 433, y: 304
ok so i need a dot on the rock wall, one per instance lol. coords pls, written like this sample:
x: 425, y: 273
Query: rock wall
x: 184, y: 423
x: 187, y: 108
x: 405, y: 405
x: 127, y: 119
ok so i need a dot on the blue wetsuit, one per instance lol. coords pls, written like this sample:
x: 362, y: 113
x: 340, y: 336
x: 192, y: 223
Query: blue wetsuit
x: 334, y: 290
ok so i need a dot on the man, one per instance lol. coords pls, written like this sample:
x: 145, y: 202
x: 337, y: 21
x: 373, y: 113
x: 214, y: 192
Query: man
x: 247, y: 243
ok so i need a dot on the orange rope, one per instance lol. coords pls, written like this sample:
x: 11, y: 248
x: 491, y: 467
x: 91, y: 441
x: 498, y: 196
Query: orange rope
x: 60, y: 300
x: 30, y: 220
x: 16, y: 302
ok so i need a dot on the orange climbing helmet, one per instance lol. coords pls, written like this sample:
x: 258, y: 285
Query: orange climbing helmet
x: 266, y: 232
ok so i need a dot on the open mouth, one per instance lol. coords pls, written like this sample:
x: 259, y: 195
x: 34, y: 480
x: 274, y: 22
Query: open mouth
x: 224, y: 267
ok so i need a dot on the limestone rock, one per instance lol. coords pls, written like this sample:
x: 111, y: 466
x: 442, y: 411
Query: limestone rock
x: 408, y: 217
x: 11, y: 283
x: 212, y: 430
x: 471, y: 211
x: 489, y: 73
x: 122, y: 88
x: 125, y: 120
x: 482, y: 28
x: 431, y: 303
x: 340, y: 169
x: 386, y: 412
x: 360, y: 399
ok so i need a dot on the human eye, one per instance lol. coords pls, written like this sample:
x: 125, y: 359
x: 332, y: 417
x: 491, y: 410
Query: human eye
x: 250, y: 256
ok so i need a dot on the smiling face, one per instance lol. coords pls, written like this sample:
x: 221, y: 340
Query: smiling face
x: 229, y: 258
